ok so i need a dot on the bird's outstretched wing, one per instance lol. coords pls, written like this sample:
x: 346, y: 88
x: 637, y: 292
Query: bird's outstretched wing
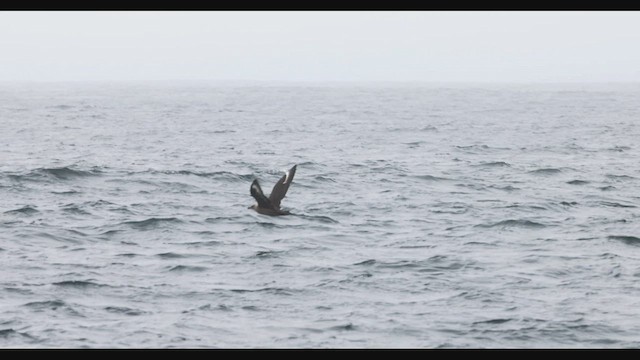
x: 281, y: 187
x: 257, y: 194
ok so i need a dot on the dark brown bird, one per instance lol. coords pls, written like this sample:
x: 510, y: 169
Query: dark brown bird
x: 271, y: 205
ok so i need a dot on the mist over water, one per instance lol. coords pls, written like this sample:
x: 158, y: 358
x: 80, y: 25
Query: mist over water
x: 456, y: 216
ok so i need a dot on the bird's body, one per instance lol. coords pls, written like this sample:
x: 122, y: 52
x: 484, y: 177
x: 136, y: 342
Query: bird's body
x: 271, y: 205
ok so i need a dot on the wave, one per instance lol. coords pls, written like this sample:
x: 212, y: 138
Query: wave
x: 616, y: 204
x: 7, y: 333
x: 57, y: 173
x: 578, y: 182
x: 321, y: 178
x: 270, y: 225
x: 170, y: 255
x: 492, y: 321
x: 128, y: 255
x: 220, y: 218
x: 619, y: 148
x: 324, y: 219
x: 67, y: 192
x: 366, y: 262
x: 568, y: 203
x: 546, y: 171
x: 74, y: 209
x: 151, y: 222
x: 267, y: 254
x: 26, y: 210
x: 187, y: 268
x: 473, y: 147
x: 414, y: 144
x: 61, y: 107
x: 345, y: 327
x: 51, y: 304
x: 98, y: 203
x: 205, y: 243
x: 223, y: 175
x: 53, y: 236
x: 209, y: 307
x: 250, y: 308
x: 110, y: 233
x: 494, y: 164
x: 124, y: 310
x: 270, y: 290
x: 76, y: 232
x: 78, y: 284
x: 309, y: 164
x: 620, y: 177
x: 432, y: 264
x: 514, y: 223
x: 630, y: 240
x: 65, y: 173
x: 507, y: 188
x: 431, y: 178
x: 55, y: 305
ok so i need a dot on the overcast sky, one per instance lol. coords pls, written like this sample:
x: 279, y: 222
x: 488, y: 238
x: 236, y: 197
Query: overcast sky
x: 472, y: 46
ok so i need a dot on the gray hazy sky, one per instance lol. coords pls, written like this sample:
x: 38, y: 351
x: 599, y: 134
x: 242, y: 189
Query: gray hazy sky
x: 434, y: 46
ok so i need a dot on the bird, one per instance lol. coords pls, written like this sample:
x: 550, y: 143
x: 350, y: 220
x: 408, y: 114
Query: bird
x: 271, y: 205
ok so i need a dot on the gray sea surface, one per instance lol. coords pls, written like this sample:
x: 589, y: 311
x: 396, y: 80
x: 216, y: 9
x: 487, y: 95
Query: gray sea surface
x: 425, y: 215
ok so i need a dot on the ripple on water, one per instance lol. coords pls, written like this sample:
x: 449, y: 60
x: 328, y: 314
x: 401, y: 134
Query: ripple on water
x: 492, y: 321
x: 268, y: 290
x: 53, y: 305
x: 124, y: 310
x: 170, y: 255
x: 616, y: 204
x: 568, y: 203
x: 431, y: 178
x: 187, y: 269
x: 152, y: 223
x: 79, y: 284
x: 630, y: 240
x: 10, y: 333
x: 319, y: 218
x: 25, y: 210
x: 507, y: 188
x: 74, y: 209
x: 215, y: 175
x: 50, y: 304
x: 513, y: 223
x: 343, y: 327
x: 431, y: 264
x: 56, y: 173
x: 620, y: 178
x: 578, y: 182
x: 493, y: 164
x: 546, y: 171
x: 268, y: 254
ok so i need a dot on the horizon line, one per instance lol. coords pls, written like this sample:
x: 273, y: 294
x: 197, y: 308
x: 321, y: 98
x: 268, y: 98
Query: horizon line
x: 498, y: 82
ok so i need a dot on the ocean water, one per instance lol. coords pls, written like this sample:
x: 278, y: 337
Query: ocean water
x: 425, y: 216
